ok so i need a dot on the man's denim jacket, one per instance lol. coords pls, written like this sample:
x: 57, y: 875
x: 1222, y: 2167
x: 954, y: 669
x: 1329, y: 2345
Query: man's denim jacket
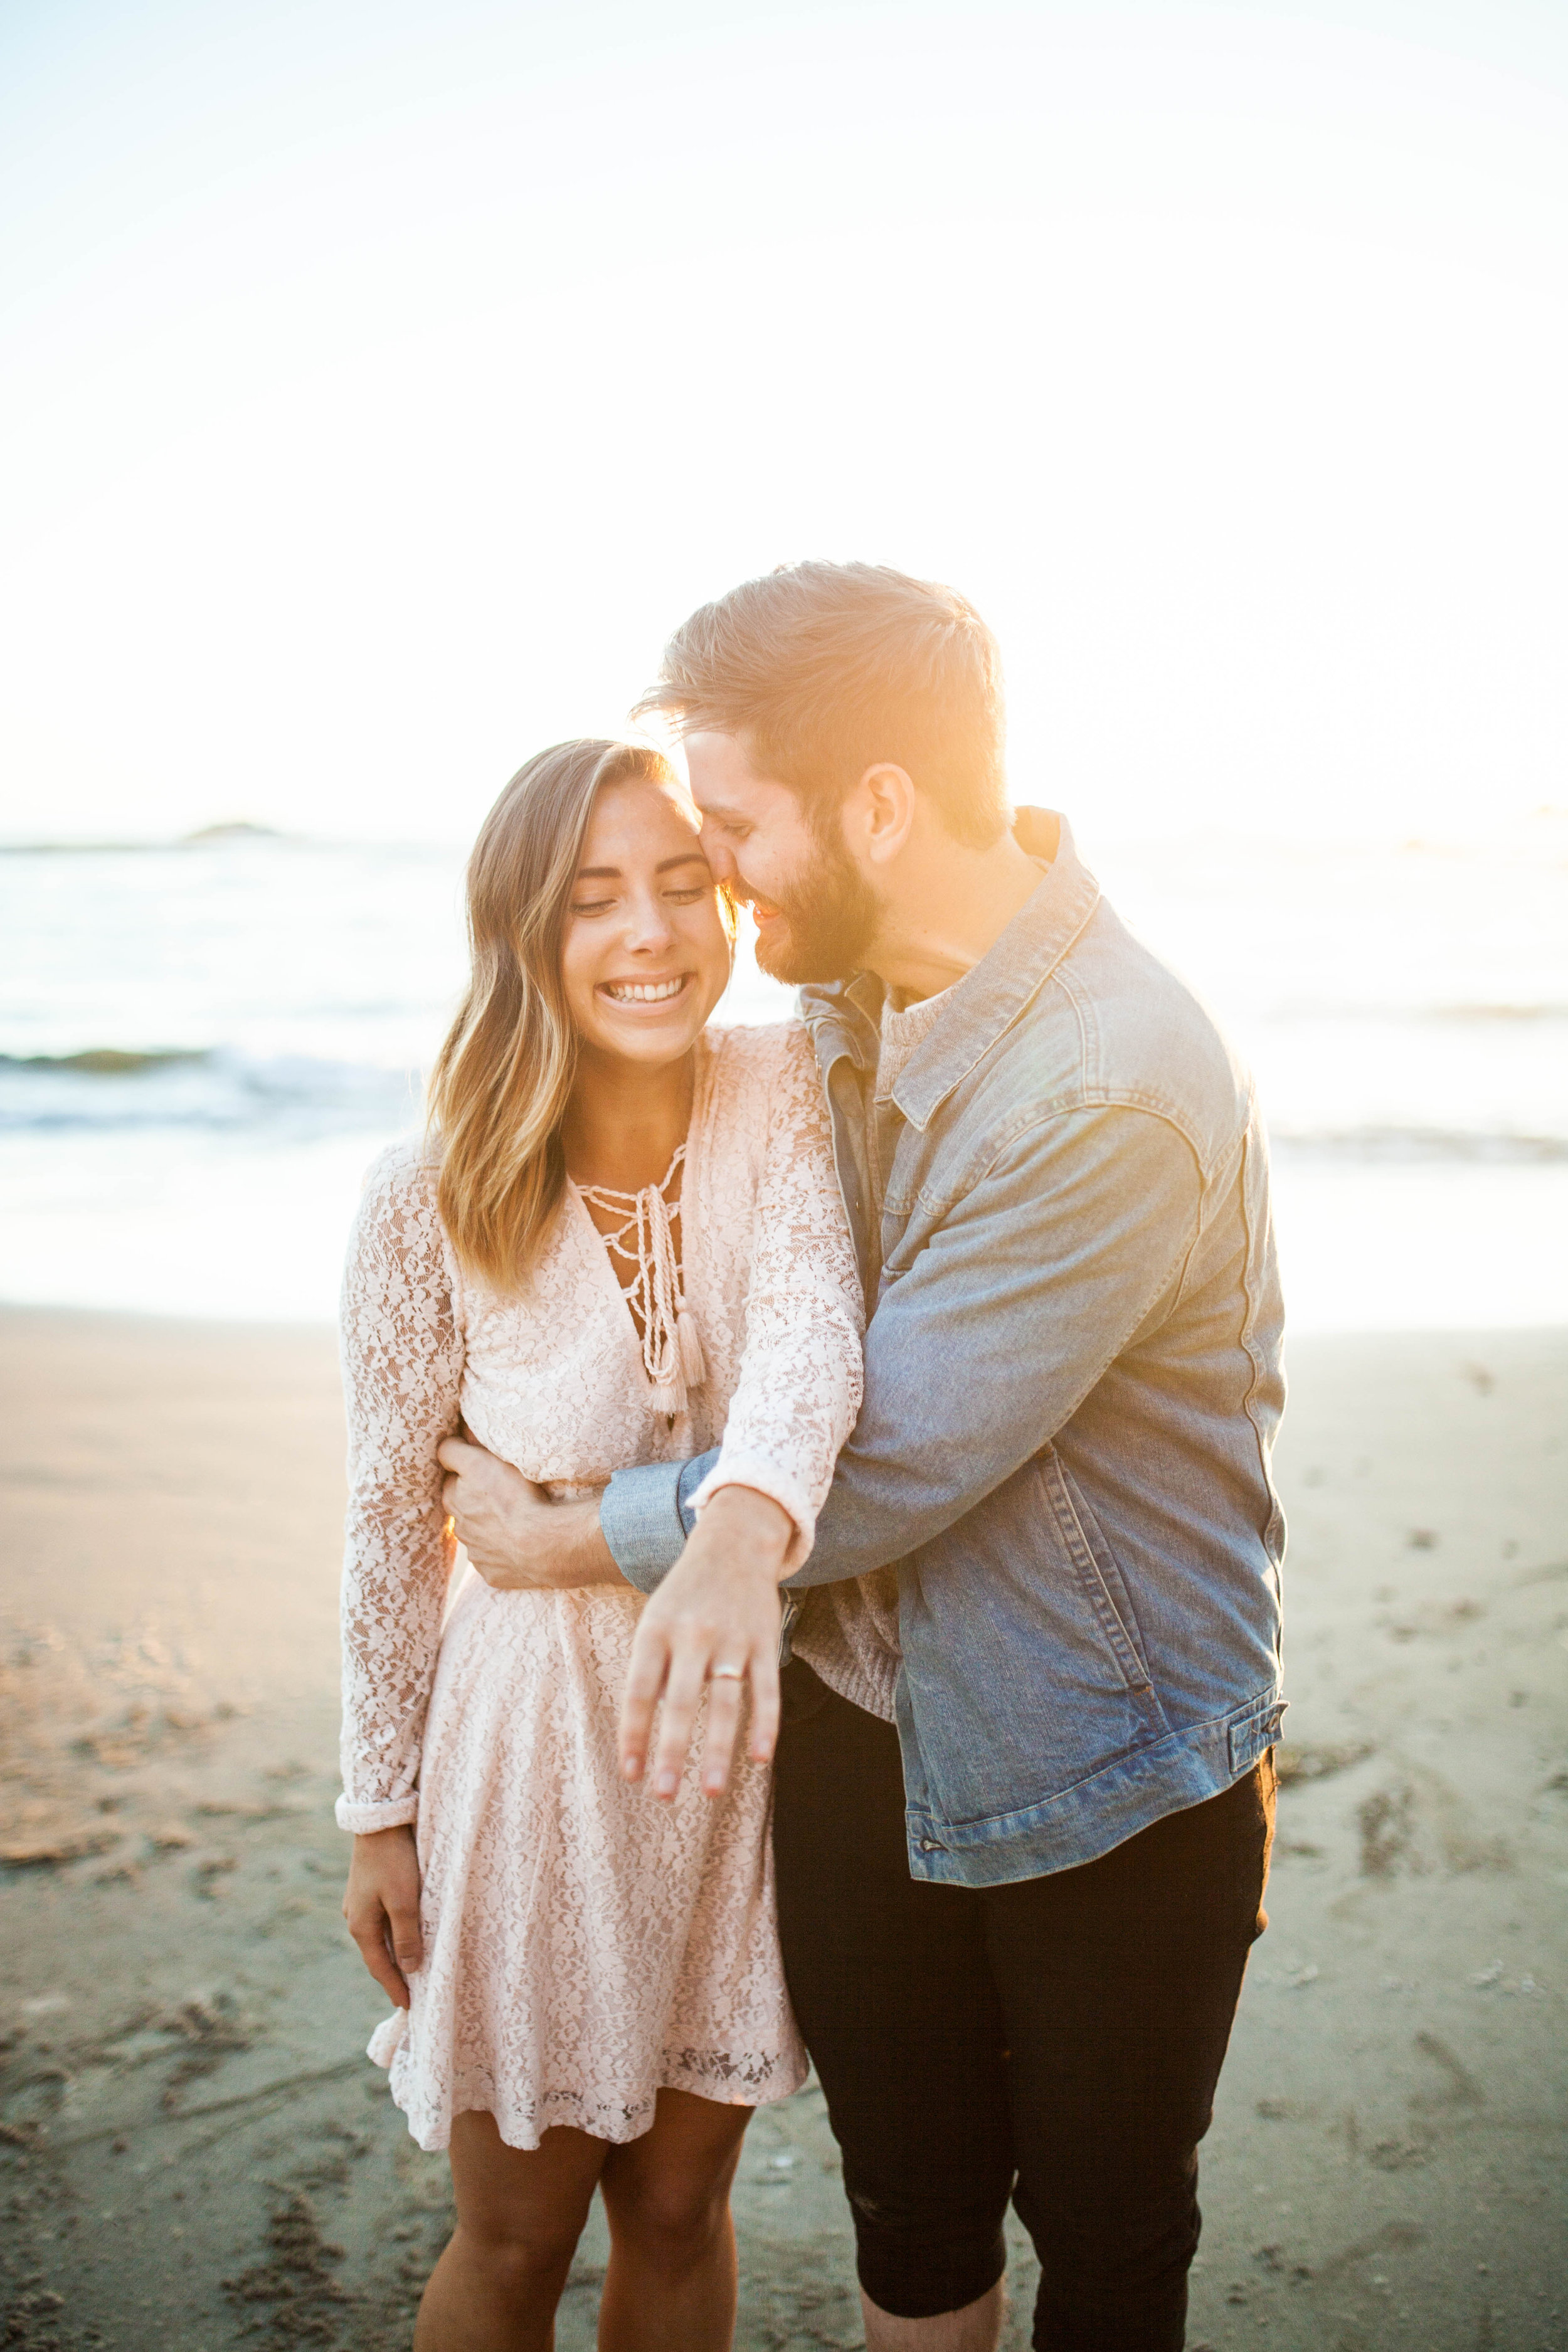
x: 1072, y: 1386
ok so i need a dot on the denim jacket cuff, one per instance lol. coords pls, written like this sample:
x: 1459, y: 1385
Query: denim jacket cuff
x: 645, y: 1516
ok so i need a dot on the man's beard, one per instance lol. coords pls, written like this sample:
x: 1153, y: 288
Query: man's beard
x: 827, y: 917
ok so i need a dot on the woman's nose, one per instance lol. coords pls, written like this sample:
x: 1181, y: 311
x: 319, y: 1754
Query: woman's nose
x: 647, y: 926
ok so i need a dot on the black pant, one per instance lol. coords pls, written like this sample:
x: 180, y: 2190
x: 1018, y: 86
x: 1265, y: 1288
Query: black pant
x: 1056, y: 2041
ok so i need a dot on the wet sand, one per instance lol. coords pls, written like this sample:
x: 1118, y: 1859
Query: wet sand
x: 196, y: 2157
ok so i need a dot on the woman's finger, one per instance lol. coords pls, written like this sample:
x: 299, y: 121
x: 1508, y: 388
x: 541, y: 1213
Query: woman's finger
x: 683, y: 1691
x: 764, y: 1680
x: 408, y: 1943
x: 371, y: 1937
x: 725, y: 1696
x: 645, y: 1673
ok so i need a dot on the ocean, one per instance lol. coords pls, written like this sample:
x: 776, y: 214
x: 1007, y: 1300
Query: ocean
x: 202, y: 1045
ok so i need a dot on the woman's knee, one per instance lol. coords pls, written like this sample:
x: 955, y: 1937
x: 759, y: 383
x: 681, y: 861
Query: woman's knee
x: 669, y: 2217
x: 521, y: 2211
x: 518, y: 2253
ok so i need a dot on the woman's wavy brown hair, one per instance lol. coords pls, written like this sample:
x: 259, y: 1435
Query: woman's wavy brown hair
x: 500, y: 1087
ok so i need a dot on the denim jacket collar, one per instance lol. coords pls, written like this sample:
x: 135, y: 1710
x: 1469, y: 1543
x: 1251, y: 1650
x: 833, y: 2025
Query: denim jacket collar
x: 990, y: 997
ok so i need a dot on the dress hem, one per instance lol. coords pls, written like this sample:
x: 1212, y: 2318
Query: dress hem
x: 433, y: 2134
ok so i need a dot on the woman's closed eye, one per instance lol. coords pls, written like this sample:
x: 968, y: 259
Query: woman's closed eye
x: 685, y: 894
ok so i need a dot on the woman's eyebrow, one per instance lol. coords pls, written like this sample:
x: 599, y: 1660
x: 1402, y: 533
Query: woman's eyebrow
x: 613, y: 873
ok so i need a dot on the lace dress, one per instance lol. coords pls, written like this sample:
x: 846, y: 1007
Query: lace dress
x: 583, y: 1946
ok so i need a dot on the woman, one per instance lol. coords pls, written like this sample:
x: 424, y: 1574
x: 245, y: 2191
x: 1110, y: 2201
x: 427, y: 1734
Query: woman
x: 623, y: 1242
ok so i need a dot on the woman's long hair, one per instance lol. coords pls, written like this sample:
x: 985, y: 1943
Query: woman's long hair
x: 500, y: 1084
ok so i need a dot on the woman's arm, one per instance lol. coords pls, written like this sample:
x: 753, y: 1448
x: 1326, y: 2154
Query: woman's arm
x: 793, y: 1406
x: 403, y: 1363
x: 801, y: 1375
x: 380, y: 1904
x: 403, y: 1359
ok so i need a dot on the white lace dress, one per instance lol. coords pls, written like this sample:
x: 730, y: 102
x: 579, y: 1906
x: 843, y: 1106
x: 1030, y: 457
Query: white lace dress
x: 583, y: 1946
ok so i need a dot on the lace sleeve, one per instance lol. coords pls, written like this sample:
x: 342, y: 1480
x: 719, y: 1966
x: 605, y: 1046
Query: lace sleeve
x: 800, y: 1383
x: 403, y: 1363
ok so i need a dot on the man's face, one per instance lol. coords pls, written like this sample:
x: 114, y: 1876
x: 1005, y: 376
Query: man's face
x: 816, y: 914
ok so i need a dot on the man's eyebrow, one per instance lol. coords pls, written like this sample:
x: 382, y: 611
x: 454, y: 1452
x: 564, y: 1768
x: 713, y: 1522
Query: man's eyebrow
x: 613, y: 873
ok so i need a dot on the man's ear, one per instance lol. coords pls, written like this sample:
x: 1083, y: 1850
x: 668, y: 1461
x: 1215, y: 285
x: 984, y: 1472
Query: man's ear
x: 880, y: 814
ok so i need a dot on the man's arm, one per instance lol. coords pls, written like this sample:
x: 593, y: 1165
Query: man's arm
x: 520, y: 1540
x: 977, y: 1354
x: 645, y: 1515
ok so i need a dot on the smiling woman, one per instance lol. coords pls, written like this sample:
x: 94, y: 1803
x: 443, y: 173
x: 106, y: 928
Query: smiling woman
x: 587, y: 892
x: 647, y: 938
x: 585, y: 1996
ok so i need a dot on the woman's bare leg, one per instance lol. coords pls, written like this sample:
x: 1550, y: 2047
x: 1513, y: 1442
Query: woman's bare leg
x: 670, y: 2287
x: 520, y: 2215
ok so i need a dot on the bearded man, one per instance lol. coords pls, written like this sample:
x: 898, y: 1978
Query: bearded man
x: 1023, y: 1810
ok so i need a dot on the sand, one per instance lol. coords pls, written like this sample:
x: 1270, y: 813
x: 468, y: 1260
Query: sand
x: 196, y: 2156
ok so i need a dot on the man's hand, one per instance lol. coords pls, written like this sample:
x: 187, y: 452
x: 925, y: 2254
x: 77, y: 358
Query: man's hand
x: 517, y: 1537
x: 717, y: 1610
x: 380, y: 1904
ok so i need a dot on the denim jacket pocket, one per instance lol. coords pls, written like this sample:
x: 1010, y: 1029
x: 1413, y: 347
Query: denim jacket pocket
x: 1097, y: 1572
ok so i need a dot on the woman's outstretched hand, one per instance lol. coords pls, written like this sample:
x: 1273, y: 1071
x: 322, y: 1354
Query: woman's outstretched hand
x: 380, y: 1904
x: 520, y: 1540
x: 717, y: 1610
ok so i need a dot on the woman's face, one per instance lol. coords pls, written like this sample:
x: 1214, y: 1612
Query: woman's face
x: 644, y: 956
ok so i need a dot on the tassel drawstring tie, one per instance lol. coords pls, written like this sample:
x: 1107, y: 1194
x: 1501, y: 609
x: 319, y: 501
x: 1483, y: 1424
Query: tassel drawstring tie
x: 672, y: 1344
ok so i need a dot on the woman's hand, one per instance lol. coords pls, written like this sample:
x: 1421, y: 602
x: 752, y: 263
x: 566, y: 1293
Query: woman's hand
x: 520, y: 1540
x: 717, y: 1610
x: 380, y: 1904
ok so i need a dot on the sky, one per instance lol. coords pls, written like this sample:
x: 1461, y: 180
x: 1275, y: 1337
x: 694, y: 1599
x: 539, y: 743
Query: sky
x: 379, y: 384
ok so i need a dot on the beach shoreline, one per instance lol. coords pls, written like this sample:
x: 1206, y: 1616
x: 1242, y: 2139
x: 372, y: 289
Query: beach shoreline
x: 184, y: 2103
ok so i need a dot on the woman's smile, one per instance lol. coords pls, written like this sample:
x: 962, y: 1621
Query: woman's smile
x: 646, y: 991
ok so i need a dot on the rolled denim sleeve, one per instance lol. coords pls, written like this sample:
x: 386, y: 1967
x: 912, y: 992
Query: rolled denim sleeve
x: 645, y: 1516
x: 1025, y: 1292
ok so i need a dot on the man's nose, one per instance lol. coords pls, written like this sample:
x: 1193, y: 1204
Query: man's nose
x: 718, y: 855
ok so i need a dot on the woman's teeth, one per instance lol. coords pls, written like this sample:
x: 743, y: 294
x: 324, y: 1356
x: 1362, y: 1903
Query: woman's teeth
x: 644, y: 991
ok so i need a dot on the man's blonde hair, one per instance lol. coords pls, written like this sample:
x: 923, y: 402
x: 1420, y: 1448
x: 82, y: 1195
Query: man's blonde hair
x: 822, y: 670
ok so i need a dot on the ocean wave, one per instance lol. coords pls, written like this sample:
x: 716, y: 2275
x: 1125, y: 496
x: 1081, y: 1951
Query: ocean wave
x: 294, y: 1097
x: 1415, y: 1146
x: 206, y: 836
x: 290, y: 1096
x: 106, y: 1061
x: 1495, y: 1013
x: 1302, y: 1012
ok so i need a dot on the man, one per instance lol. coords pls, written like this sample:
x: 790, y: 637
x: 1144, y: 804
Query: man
x: 1014, y: 1927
